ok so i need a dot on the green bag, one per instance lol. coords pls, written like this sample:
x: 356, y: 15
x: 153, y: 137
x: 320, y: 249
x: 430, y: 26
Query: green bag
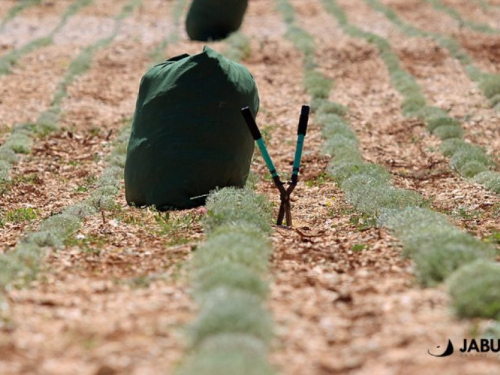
x: 214, y: 19
x: 188, y: 136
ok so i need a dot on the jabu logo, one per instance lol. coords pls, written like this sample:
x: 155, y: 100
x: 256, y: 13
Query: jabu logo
x: 449, y: 350
x: 474, y: 347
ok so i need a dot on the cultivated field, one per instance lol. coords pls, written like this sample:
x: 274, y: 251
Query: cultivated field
x: 396, y: 235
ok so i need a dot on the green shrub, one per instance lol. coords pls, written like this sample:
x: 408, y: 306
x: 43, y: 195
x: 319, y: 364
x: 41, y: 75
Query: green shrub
x: 474, y: 290
x: 81, y: 210
x: 228, y: 354
x: 440, y: 256
x: 231, y: 311
x: 251, y: 251
x: 21, y: 214
x: 48, y: 121
x: 8, y: 155
x: 15, y: 9
x: 414, y: 226
x: 21, y: 263
x: 344, y: 155
x: 286, y: 10
x: 451, y: 146
x: 342, y: 172
x: 116, y: 160
x: 467, y: 155
x: 19, y: 142
x: 106, y: 190
x: 108, y: 181
x: 5, y: 168
x: 428, y: 113
x: 332, y: 125
x: 412, y: 104
x: 61, y: 225
x: 406, y: 84
x: 473, y: 72
x: 326, y: 107
x: 437, y: 122
x: 43, y: 238
x: 372, y: 196
x: 339, y: 144
x: 448, y: 131
x: 230, y: 275
x: 490, y: 180
x: 10, y: 269
x: 112, y: 174
x: 492, y: 331
x: 102, y: 202
x: 495, y: 100
x: 472, y: 169
x: 316, y: 104
x: 29, y: 254
x: 437, y: 247
x: 301, y: 39
x: 316, y: 84
x: 239, y: 47
x: 490, y: 85
x: 232, y: 206
x: 391, y: 60
x: 404, y: 222
x: 330, y: 119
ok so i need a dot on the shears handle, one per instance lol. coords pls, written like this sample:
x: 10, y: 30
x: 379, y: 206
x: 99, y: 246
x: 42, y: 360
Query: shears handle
x: 301, y: 134
x: 254, y: 129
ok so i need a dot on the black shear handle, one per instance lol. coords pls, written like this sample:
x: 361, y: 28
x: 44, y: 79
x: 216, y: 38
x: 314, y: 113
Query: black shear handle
x: 252, y: 125
x: 303, y: 120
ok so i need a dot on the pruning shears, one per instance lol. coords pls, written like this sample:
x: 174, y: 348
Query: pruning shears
x: 285, y: 206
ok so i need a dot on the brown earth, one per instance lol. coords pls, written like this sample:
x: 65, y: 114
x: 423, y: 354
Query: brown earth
x: 35, y: 22
x: 484, y: 47
x: 472, y: 10
x: 116, y: 299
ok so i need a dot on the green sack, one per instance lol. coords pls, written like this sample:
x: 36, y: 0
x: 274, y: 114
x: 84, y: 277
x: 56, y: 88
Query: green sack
x: 214, y: 19
x: 188, y: 136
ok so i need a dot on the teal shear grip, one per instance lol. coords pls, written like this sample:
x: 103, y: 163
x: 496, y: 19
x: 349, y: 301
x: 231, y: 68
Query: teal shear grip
x: 267, y: 158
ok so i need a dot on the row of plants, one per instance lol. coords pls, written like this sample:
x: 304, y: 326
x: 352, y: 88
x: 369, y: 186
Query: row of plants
x: 489, y: 83
x: 469, y: 160
x: 453, y: 13
x: 232, y: 332
x: 101, y: 199
x: 20, y: 140
x: 483, y: 3
x: 158, y: 53
x: 10, y: 59
x: 22, y: 264
x: 440, y: 251
x: 486, y: 5
x: 16, y: 9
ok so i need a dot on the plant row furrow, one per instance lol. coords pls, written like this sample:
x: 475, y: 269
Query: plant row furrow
x: 437, y: 247
x: 452, y: 12
x: 489, y: 83
x: 469, y: 160
x: 232, y: 331
x: 16, y: 9
x: 440, y: 251
x: 10, y: 59
x: 24, y: 261
x: 20, y: 140
x: 100, y: 199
